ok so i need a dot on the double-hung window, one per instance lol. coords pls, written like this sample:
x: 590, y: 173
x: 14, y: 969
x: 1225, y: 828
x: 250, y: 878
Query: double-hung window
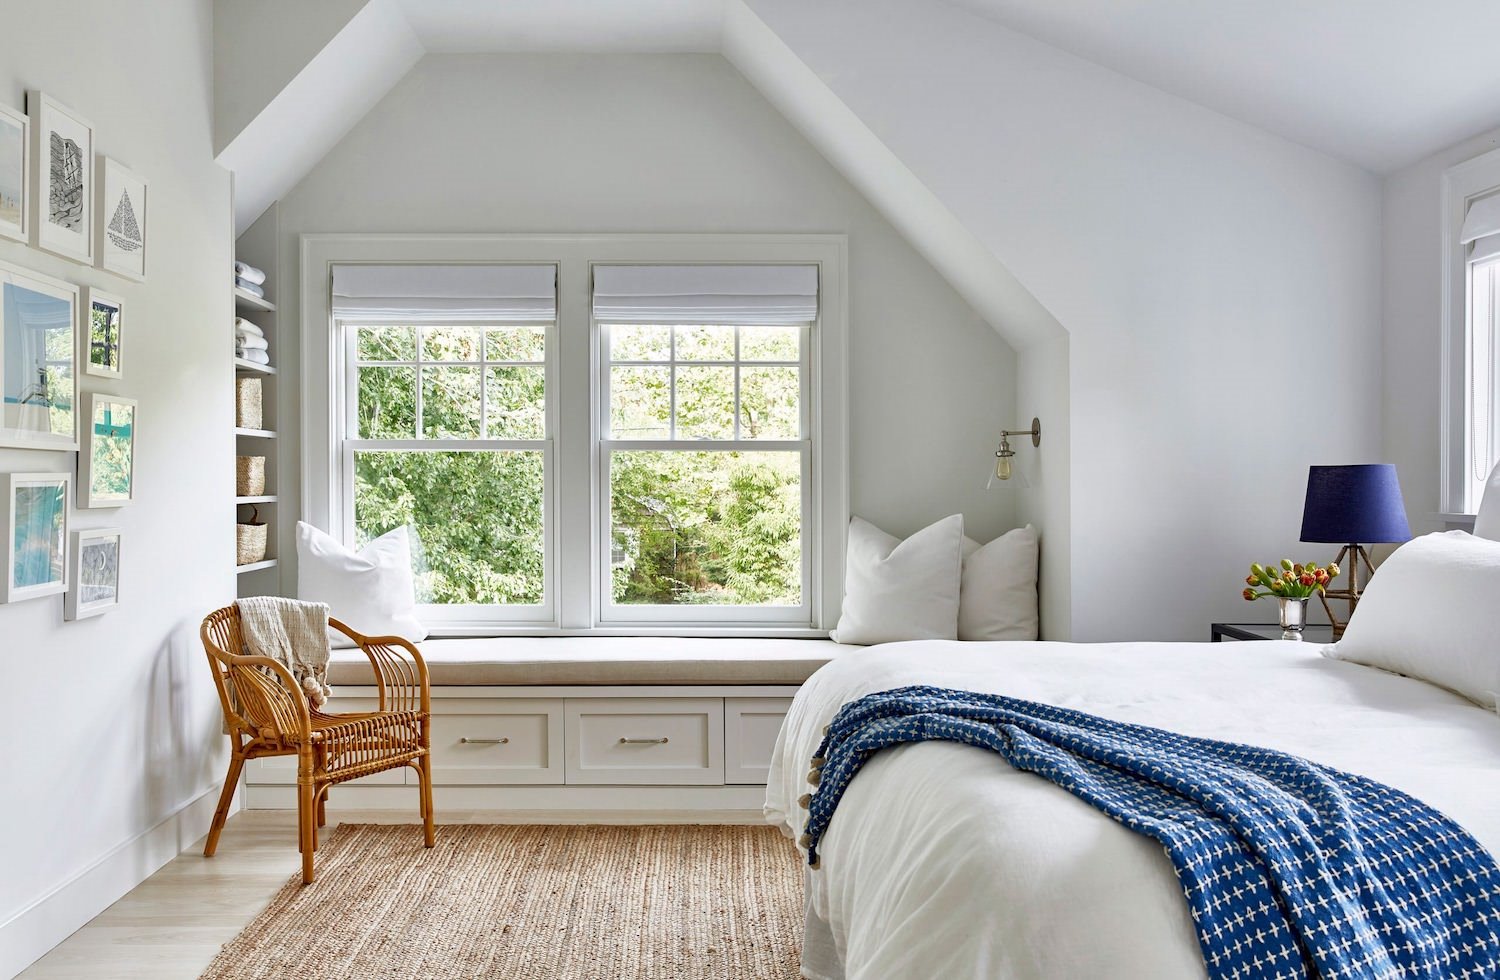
x: 447, y: 428
x: 1480, y: 239
x: 705, y: 442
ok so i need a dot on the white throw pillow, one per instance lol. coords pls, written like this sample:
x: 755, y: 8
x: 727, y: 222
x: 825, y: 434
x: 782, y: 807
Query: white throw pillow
x: 1430, y: 612
x: 901, y: 590
x: 1487, y: 523
x: 997, y: 596
x: 371, y: 591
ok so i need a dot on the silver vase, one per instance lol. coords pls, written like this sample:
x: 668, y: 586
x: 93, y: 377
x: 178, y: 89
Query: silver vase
x: 1293, y: 617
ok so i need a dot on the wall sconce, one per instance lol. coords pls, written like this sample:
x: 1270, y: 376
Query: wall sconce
x: 1007, y: 473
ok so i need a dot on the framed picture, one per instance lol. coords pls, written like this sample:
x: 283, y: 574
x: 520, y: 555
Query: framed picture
x: 38, y: 360
x: 34, y: 519
x: 106, y: 466
x: 96, y: 574
x: 15, y: 174
x: 121, y: 244
x: 103, y: 321
x: 62, y: 161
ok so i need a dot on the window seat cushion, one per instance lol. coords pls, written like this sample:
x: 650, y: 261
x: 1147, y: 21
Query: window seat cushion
x: 621, y: 660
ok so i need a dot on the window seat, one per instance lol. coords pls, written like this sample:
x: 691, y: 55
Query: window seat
x: 514, y: 661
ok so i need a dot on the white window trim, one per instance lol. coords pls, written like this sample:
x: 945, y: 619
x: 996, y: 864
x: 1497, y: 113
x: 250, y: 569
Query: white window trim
x: 1461, y: 184
x: 574, y: 552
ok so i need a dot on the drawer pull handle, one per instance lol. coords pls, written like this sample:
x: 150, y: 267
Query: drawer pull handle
x: 643, y: 741
x: 466, y: 740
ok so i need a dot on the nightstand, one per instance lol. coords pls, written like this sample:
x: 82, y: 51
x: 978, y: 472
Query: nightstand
x: 1267, y: 631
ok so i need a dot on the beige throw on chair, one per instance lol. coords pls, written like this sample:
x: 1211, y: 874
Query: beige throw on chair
x: 293, y: 633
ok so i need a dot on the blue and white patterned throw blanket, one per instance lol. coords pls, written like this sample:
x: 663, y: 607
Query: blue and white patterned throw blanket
x: 1291, y: 869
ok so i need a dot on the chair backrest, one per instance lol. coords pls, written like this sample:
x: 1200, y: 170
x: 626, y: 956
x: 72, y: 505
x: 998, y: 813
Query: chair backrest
x: 256, y: 697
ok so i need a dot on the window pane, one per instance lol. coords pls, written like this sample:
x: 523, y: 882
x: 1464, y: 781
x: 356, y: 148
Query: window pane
x: 387, y: 403
x: 515, y: 344
x: 515, y: 403
x: 705, y: 403
x: 387, y: 343
x: 769, y: 399
x: 450, y: 402
x: 705, y: 343
x: 632, y: 343
x: 477, y: 516
x: 770, y: 343
x: 706, y: 528
x: 450, y: 343
x: 640, y: 402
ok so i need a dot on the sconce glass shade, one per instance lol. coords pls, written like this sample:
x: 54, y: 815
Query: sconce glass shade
x: 1016, y: 480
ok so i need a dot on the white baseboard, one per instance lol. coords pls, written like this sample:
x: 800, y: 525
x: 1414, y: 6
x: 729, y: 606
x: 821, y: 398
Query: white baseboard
x: 579, y: 799
x: 26, y: 936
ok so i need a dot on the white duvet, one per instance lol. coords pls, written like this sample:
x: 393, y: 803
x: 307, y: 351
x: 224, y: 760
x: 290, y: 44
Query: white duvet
x: 943, y: 862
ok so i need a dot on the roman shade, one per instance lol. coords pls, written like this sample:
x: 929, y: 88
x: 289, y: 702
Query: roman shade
x: 744, y: 294
x: 1481, y: 230
x: 415, y: 293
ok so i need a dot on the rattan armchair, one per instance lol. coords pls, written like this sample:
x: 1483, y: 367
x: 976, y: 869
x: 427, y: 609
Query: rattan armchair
x: 267, y: 714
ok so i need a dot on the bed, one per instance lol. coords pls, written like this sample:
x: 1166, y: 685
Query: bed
x: 942, y: 861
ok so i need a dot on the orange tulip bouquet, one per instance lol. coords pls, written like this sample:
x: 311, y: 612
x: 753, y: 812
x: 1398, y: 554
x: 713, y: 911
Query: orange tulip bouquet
x: 1291, y: 585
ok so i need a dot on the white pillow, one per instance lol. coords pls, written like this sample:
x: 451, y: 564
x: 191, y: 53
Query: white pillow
x: 1430, y: 612
x: 901, y: 590
x: 997, y: 595
x: 371, y: 592
x: 1487, y: 522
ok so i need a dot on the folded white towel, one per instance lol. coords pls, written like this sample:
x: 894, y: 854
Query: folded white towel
x: 256, y: 356
x: 252, y: 343
x: 252, y: 288
x: 241, y: 325
x: 249, y: 273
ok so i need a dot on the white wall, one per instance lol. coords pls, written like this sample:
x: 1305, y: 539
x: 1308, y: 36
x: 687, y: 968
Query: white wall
x: 112, y: 723
x: 1414, y: 328
x: 680, y: 143
x: 1215, y: 282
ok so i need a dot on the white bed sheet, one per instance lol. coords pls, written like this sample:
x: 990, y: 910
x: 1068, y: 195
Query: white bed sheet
x: 942, y: 861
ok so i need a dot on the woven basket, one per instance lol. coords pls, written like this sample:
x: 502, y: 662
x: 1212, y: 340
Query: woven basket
x: 250, y: 541
x: 249, y: 475
x: 247, y: 405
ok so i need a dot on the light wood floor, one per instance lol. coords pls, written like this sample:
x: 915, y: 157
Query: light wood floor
x: 171, y: 925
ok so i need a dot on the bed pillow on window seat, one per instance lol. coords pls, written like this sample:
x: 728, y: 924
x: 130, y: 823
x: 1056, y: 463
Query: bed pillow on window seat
x: 1487, y: 522
x: 901, y: 590
x: 1430, y: 612
x: 997, y: 596
x: 371, y: 591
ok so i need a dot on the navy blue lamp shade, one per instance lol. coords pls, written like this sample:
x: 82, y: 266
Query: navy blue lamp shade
x: 1354, y: 504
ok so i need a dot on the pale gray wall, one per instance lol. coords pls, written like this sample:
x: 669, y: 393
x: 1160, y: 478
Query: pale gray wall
x: 679, y: 143
x: 113, y: 720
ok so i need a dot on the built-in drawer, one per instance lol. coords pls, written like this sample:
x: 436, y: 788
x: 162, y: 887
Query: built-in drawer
x: 483, y: 742
x: 282, y: 769
x: 645, y: 741
x: 751, y: 726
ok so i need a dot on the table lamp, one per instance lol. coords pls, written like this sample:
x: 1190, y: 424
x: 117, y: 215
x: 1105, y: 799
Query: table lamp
x: 1353, y: 506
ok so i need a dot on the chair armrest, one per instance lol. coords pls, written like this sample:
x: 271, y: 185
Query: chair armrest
x: 269, y: 697
x: 400, y: 672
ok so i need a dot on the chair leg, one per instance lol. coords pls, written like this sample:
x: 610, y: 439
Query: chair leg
x: 323, y: 809
x: 231, y: 782
x: 429, y: 833
x: 307, y: 837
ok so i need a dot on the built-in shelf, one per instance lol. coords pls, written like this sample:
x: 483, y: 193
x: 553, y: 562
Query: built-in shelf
x: 256, y: 566
x: 240, y: 364
x: 254, y: 433
x: 268, y: 498
x: 252, y: 301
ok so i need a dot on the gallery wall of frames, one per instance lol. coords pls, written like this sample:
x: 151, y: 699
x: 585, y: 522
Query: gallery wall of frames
x: 62, y: 348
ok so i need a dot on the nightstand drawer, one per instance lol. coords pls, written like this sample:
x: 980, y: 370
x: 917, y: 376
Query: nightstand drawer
x: 645, y: 741
x: 482, y: 742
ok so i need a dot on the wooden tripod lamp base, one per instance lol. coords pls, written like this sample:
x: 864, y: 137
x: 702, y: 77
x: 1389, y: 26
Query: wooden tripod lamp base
x: 1355, y: 554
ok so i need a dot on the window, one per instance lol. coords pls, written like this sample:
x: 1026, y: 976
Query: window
x: 583, y: 433
x: 1483, y: 388
x: 1470, y: 443
x: 446, y: 432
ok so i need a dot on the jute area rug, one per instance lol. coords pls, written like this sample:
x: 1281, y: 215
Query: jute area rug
x: 561, y: 903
